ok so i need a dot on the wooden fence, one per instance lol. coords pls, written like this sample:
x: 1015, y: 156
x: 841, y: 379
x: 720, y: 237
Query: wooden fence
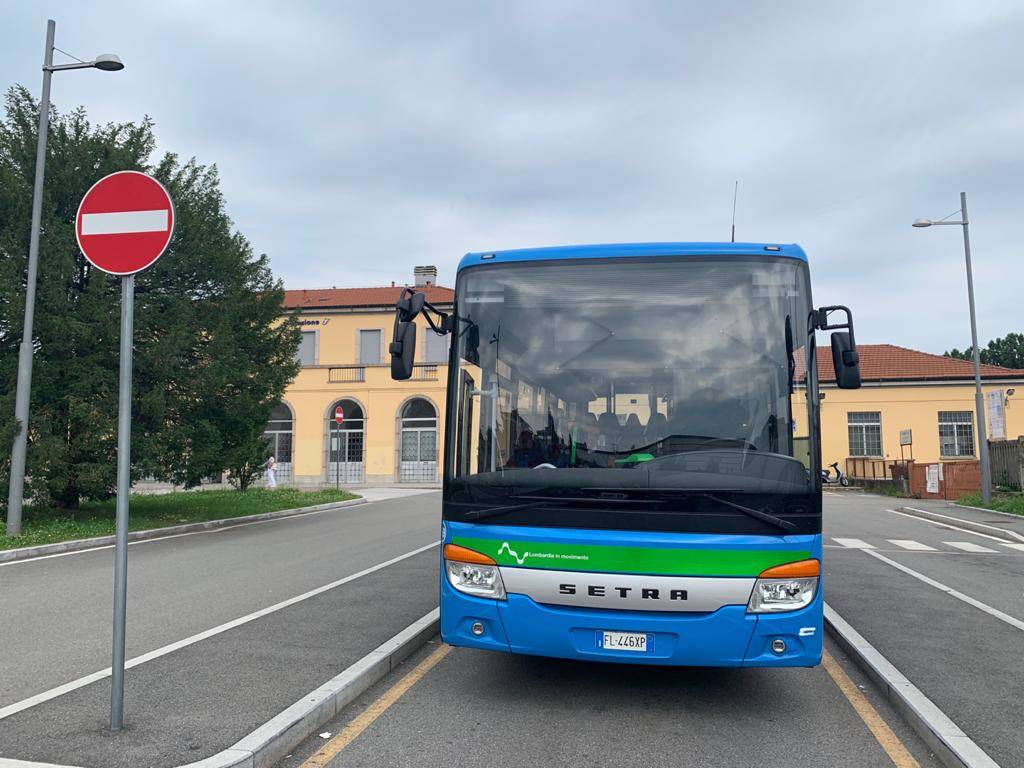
x: 1007, y: 457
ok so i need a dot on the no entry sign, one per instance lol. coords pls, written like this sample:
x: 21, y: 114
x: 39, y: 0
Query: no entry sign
x: 339, y: 416
x: 124, y: 222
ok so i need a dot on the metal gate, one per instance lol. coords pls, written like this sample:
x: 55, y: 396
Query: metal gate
x: 418, y: 458
x: 345, y: 443
x: 279, y: 438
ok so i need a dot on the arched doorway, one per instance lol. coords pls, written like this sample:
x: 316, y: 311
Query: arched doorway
x: 278, y: 434
x: 418, y: 459
x: 345, y: 443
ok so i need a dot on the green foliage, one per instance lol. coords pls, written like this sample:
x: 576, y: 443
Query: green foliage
x: 96, y: 518
x: 213, y: 348
x: 1004, y: 502
x: 1007, y: 351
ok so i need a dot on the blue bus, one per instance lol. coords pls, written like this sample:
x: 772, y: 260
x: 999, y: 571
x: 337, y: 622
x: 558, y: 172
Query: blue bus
x: 626, y: 477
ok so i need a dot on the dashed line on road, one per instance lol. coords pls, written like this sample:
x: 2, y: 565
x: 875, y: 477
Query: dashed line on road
x: 81, y: 682
x: 1004, y: 617
x: 368, y: 716
x: 968, y: 546
x: 910, y: 544
x: 853, y: 543
x: 880, y: 729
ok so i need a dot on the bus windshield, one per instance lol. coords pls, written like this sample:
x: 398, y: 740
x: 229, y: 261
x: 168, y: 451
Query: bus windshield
x: 588, y: 392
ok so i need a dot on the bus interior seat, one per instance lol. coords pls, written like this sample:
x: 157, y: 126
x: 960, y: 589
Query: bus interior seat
x: 632, y: 433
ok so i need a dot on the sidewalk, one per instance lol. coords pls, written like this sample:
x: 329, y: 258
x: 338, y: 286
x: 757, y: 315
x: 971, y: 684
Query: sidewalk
x: 201, y: 699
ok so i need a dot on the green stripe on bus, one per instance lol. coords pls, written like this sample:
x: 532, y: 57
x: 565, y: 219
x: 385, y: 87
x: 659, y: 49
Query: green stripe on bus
x: 652, y: 560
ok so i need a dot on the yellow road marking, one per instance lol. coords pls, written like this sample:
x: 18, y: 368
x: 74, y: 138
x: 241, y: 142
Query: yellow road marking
x: 883, y: 734
x: 351, y: 732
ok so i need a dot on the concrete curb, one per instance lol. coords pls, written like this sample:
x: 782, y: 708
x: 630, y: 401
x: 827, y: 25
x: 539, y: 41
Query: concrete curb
x: 988, y: 530
x: 944, y: 737
x: 77, y: 545
x: 281, y: 734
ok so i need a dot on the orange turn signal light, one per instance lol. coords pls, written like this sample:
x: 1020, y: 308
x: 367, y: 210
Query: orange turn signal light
x: 463, y: 555
x: 799, y: 569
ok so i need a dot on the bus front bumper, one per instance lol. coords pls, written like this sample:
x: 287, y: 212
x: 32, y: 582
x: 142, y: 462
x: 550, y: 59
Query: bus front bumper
x: 728, y: 637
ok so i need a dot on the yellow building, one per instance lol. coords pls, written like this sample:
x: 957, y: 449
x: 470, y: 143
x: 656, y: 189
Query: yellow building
x: 388, y: 431
x: 904, y: 390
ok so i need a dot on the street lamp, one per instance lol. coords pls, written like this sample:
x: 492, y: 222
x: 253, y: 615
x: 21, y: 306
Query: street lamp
x: 107, y: 62
x: 979, y: 402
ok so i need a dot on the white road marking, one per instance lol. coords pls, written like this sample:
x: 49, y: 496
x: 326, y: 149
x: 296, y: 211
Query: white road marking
x: 60, y: 690
x: 947, y: 526
x: 221, y: 529
x: 1005, y: 617
x: 853, y: 543
x: 125, y: 222
x: 1005, y: 531
x: 968, y: 546
x: 914, y: 546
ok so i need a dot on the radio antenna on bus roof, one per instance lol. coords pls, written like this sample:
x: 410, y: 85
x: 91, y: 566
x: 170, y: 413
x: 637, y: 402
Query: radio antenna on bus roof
x: 735, y: 192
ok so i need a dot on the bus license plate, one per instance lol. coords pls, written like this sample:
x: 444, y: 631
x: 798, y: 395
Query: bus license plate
x: 637, y: 642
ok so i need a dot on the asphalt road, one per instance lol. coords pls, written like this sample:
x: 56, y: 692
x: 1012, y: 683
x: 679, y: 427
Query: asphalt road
x: 965, y: 659
x: 204, y: 696
x: 481, y: 709
x: 57, y: 611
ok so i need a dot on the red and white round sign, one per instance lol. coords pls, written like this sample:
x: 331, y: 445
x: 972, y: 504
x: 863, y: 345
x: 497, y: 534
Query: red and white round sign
x: 124, y: 222
x: 339, y: 416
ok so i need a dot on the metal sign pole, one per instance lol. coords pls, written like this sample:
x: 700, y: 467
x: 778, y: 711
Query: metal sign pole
x: 124, y: 443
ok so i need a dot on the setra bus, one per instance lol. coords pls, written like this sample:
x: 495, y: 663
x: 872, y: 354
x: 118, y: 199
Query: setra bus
x: 624, y: 475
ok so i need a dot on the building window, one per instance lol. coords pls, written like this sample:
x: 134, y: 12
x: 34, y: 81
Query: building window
x: 956, y: 433
x: 436, y: 347
x: 369, y: 347
x: 865, y: 428
x: 307, y: 348
x: 279, y: 438
x: 418, y: 458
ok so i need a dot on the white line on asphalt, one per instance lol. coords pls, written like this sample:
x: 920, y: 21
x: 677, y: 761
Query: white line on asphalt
x: 914, y: 546
x: 60, y: 690
x: 853, y: 543
x: 968, y: 546
x: 996, y: 539
x: 221, y: 529
x: 1005, y: 617
x: 1004, y: 531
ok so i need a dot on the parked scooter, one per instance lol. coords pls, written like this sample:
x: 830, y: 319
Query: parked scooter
x: 840, y: 476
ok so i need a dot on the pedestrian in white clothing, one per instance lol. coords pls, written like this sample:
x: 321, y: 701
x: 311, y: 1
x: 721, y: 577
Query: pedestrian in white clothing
x: 271, y: 466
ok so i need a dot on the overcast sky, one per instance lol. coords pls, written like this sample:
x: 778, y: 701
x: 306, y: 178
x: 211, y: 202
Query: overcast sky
x: 355, y: 140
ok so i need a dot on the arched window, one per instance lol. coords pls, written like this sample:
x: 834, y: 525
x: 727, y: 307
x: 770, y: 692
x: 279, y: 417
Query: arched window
x: 279, y: 434
x: 418, y: 460
x: 345, y: 442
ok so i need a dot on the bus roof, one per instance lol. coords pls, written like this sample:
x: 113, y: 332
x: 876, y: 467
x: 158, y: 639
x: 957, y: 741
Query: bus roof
x: 633, y: 250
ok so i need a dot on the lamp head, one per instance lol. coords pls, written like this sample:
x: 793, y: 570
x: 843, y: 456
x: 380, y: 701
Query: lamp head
x: 108, y: 62
x: 923, y: 223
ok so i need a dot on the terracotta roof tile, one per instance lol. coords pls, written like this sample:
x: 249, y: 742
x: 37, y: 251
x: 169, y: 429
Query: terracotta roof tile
x: 326, y: 298
x: 887, y: 362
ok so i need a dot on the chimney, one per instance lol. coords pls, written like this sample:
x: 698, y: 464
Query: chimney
x: 425, y: 276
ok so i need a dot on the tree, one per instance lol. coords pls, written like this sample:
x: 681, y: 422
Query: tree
x: 214, y: 349
x: 1007, y: 351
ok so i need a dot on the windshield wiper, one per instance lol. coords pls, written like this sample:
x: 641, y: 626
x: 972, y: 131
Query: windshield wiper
x: 483, y: 514
x: 758, y: 514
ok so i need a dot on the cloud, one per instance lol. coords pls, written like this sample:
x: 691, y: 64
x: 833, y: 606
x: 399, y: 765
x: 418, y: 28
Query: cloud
x: 355, y: 140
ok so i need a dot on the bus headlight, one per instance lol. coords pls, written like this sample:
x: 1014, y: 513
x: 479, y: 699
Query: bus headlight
x: 785, y: 587
x: 472, y: 572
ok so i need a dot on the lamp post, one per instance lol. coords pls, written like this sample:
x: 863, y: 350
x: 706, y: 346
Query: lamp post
x: 979, y: 401
x: 107, y: 62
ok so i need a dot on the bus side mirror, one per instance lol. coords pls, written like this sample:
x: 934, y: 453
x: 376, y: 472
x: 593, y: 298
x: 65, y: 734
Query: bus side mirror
x: 845, y: 360
x: 403, y: 350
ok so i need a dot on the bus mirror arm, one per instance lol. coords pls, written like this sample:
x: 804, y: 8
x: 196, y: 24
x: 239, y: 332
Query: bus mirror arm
x: 410, y: 304
x: 845, y: 359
